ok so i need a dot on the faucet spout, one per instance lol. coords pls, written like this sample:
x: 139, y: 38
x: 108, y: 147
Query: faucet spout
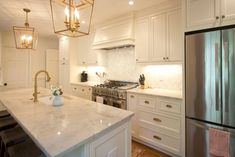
x: 35, y: 94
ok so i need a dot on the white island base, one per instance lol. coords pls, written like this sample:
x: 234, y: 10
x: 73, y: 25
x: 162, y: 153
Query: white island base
x: 114, y: 143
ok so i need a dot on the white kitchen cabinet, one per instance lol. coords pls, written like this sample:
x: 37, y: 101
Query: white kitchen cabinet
x: 64, y: 67
x: 82, y: 91
x: 86, y: 54
x: 228, y: 12
x: 159, y: 37
x: 201, y: 14
x: 142, y: 39
x: 174, y: 36
x: 132, y: 99
x: 157, y: 121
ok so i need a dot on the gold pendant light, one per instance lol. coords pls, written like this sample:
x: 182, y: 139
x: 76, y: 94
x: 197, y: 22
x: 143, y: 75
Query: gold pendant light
x: 72, y: 17
x: 25, y: 37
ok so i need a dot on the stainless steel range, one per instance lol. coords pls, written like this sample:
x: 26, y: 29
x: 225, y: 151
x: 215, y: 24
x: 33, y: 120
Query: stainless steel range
x: 113, y: 93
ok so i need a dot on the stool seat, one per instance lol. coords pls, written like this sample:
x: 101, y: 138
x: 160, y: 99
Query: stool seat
x: 4, y: 113
x: 7, y: 123
x: 25, y: 149
x: 13, y: 136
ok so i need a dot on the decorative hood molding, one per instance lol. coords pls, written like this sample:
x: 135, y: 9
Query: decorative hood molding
x: 115, y: 34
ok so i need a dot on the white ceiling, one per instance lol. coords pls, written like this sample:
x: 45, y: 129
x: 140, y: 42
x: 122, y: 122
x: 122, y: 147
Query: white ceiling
x: 11, y: 13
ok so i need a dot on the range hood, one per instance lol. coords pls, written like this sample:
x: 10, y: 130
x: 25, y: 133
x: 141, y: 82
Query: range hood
x: 115, y: 34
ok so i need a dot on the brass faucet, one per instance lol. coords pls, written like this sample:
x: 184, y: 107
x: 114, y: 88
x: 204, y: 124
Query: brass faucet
x: 35, y: 94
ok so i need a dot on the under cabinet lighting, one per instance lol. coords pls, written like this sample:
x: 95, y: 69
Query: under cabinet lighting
x: 131, y: 2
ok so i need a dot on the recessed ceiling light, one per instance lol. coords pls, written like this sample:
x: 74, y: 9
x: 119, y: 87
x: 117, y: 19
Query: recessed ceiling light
x: 83, y: 22
x: 131, y: 2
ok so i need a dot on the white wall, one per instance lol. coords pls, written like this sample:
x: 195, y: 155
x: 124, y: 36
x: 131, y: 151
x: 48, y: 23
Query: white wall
x: 36, y: 58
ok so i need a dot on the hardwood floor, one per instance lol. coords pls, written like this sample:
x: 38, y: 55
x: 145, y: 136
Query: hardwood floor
x: 139, y: 150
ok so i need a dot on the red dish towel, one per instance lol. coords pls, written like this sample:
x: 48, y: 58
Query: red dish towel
x: 219, y: 143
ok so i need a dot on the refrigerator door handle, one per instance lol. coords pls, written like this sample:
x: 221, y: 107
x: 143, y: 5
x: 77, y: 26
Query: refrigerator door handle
x: 217, y: 80
x: 226, y: 76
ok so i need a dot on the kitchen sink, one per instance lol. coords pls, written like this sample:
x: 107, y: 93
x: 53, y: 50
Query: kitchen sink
x: 48, y: 100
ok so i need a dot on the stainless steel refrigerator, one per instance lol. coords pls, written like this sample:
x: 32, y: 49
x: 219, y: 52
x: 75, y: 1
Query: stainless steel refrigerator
x: 210, y: 88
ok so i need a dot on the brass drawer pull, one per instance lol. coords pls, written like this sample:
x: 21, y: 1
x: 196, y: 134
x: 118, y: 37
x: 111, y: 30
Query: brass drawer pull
x: 146, y: 102
x: 157, y: 119
x: 168, y: 106
x: 83, y: 90
x: 132, y: 96
x: 157, y: 137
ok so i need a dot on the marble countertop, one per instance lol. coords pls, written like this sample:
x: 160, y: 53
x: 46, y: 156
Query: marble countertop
x: 57, y: 130
x: 158, y: 92
x: 89, y: 83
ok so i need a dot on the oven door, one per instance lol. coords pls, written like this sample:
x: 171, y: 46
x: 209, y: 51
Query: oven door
x: 106, y: 100
x: 119, y: 103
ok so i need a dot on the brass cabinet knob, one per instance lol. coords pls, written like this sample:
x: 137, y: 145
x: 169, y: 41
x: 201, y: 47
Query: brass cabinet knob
x: 132, y: 96
x: 223, y: 16
x: 168, y: 106
x: 164, y: 58
x: 217, y: 17
x: 167, y: 58
x: 83, y: 90
x: 157, y: 119
x: 146, y: 102
x: 157, y: 137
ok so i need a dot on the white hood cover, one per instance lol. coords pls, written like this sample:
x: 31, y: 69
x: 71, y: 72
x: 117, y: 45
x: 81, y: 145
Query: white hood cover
x: 115, y: 34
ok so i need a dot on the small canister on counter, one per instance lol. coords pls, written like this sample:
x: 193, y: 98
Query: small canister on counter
x: 84, y: 76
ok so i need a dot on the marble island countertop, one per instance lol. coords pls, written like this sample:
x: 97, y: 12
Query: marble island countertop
x: 57, y: 130
x: 158, y: 92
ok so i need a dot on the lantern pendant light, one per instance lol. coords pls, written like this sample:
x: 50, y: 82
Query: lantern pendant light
x: 72, y: 17
x: 25, y: 37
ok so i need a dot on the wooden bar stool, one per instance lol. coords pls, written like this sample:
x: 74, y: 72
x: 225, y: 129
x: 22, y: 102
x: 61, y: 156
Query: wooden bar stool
x: 11, y: 137
x: 4, y: 114
x: 24, y: 149
x: 7, y: 123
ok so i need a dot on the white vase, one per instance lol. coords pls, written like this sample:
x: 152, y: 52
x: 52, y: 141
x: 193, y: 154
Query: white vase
x: 57, y: 101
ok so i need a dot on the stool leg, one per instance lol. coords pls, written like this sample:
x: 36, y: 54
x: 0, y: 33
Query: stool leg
x: 3, y: 149
x: 6, y: 154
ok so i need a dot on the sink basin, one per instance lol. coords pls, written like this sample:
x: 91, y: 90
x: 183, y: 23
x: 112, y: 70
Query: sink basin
x: 46, y: 100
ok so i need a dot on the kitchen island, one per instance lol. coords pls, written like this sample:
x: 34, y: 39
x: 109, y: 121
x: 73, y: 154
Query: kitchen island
x: 79, y: 128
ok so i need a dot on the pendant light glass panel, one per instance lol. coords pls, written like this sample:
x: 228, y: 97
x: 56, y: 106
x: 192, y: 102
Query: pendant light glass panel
x: 72, y: 17
x: 25, y: 37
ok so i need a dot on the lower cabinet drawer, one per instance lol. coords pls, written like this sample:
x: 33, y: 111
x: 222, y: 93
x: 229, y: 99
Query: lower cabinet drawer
x: 146, y: 103
x: 169, y: 105
x: 169, y: 125
x: 160, y: 140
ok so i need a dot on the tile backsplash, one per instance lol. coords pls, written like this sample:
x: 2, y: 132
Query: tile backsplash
x: 121, y: 65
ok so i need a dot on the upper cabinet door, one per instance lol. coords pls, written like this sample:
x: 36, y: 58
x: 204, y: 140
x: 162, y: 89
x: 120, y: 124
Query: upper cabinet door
x: 83, y: 48
x: 202, y: 13
x: 228, y: 12
x: 142, y: 40
x: 175, y: 36
x: 158, y: 37
x: 64, y: 48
